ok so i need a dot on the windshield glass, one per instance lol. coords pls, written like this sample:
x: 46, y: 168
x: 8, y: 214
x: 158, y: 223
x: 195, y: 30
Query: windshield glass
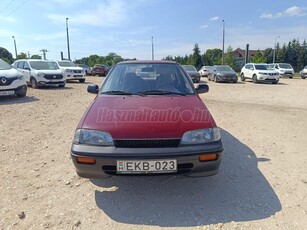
x: 262, y: 67
x: 147, y: 79
x: 66, y: 64
x: 285, y: 66
x: 223, y: 68
x: 42, y: 65
x: 4, y: 65
x: 189, y: 68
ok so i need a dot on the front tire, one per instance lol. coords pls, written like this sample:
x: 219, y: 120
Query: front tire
x: 82, y: 80
x: 34, y: 83
x: 235, y: 80
x: 21, y: 92
x: 62, y: 86
x: 255, y: 78
x: 242, y: 77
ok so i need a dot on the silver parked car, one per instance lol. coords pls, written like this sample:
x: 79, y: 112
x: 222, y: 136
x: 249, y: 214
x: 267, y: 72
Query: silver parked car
x: 222, y: 73
x: 303, y: 73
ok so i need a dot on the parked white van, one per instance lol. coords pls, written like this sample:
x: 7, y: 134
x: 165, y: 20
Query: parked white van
x: 71, y: 70
x: 40, y: 72
x: 284, y: 69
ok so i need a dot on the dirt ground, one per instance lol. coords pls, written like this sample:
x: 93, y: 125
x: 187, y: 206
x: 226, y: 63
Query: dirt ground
x: 262, y: 183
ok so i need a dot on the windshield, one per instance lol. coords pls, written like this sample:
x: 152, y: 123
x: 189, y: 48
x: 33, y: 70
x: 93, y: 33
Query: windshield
x: 223, y: 68
x: 262, y: 67
x: 66, y: 64
x: 147, y: 79
x: 285, y: 66
x: 4, y: 65
x: 189, y: 68
x: 42, y: 65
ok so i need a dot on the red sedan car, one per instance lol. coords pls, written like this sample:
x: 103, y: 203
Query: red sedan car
x: 141, y: 124
x: 100, y: 70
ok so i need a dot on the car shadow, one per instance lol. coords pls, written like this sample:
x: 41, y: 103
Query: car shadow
x: 240, y: 192
x: 5, y: 100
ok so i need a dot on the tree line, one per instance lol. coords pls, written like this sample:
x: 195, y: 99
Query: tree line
x: 294, y: 53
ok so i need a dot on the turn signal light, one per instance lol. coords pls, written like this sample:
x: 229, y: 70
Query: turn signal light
x: 86, y: 160
x: 208, y: 157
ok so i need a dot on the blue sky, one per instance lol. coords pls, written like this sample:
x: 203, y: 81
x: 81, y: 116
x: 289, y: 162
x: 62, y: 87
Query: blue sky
x: 126, y: 26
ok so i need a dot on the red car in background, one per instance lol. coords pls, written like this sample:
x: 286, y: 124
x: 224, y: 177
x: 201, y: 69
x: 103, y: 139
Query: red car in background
x: 145, y: 125
x: 99, y: 69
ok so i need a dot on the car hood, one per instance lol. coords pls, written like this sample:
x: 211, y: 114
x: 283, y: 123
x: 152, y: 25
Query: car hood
x: 9, y: 73
x: 147, y: 117
x: 49, y: 71
x: 71, y: 67
x: 226, y: 72
x: 192, y: 72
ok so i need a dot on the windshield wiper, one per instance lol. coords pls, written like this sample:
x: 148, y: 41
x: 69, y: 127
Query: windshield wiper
x: 161, y: 92
x: 119, y: 92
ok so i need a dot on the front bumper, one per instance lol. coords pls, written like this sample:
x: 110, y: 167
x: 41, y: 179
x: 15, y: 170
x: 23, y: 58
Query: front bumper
x: 226, y: 78
x: 8, y: 91
x: 289, y: 75
x: 187, y: 159
x: 75, y: 76
x: 54, y: 82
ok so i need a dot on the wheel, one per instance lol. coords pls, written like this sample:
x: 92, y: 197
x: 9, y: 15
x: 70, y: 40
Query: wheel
x: 21, y: 92
x: 235, y: 80
x: 290, y: 77
x: 82, y: 80
x: 215, y: 79
x: 255, y: 78
x: 62, y: 86
x: 274, y: 82
x: 33, y: 83
x: 302, y: 77
x: 242, y: 77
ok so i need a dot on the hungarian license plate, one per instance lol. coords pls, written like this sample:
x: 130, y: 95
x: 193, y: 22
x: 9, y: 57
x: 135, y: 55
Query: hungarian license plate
x: 146, y: 166
x: 6, y: 93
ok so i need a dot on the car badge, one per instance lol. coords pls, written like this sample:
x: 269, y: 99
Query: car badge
x: 3, y: 80
x: 54, y: 76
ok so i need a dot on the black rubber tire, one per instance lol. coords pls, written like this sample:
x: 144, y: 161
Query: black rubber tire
x: 21, y: 92
x: 215, y: 79
x: 274, y: 82
x: 235, y: 80
x: 33, y: 83
x: 82, y: 80
x: 62, y: 86
x: 242, y: 77
x: 255, y: 78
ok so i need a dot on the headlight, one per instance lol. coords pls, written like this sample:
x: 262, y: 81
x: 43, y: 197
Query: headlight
x: 69, y: 71
x: 93, y: 137
x: 40, y: 74
x: 200, y: 136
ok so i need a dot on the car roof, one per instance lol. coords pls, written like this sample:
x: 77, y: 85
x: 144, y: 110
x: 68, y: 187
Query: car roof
x: 147, y: 62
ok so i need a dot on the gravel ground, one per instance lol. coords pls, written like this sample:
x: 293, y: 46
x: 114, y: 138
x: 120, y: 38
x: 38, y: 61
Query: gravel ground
x: 261, y: 185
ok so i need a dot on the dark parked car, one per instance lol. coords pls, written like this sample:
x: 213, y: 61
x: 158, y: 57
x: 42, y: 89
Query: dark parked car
x: 147, y: 125
x: 101, y: 70
x: 191, y: 70
x: 223, y: 73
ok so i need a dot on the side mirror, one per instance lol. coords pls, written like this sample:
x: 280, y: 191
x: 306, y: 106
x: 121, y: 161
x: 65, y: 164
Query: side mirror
x: 27, y: 68
x: 94, y: 89
x: 202, y: 88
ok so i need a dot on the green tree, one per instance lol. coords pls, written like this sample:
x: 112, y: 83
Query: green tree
x: 196, y: 59
x: 212, y: 57
x: 258, y: 58
x: 21, y: 56
x: 6, y: 55
x: 36, y: 56
x: 229, y: 58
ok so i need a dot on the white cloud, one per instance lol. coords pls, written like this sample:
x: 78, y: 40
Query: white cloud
x: 290, y: 12
x: 204, y: 26
x: 214, y: 18
x: 110, y: 13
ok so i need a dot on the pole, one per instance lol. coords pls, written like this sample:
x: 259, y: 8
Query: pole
x: 152, y: 49
x: 67, y: 39
x: 15, y: 46
x: 223, y: 41
x: 274, y: 49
